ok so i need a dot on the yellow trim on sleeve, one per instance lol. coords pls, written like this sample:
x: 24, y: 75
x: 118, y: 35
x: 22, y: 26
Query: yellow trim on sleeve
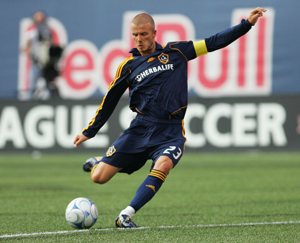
x: 200, y: 48
x: 118, y: 75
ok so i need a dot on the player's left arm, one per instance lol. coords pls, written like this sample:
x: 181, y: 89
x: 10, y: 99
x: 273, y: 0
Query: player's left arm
x: 226, y: 37
x: 255, y: 14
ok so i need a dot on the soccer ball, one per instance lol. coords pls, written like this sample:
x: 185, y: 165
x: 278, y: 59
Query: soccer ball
x: 81, y: 213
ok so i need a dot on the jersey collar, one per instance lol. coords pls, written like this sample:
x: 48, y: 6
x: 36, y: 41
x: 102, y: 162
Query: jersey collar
x: 135, y: 51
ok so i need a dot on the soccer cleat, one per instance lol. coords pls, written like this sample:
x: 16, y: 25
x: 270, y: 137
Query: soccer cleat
x: 90, y: 163
x: 123, y: 221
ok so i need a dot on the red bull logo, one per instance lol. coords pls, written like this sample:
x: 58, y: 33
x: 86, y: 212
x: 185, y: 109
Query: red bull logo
x: 242, y: 68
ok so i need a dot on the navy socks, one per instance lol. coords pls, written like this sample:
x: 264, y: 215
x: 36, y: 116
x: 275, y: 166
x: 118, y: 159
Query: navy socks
x: 148, y: 189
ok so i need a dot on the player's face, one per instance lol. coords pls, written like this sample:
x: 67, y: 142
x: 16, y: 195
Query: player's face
x: 144, y: 38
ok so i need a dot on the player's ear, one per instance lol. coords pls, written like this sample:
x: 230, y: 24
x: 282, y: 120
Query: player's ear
x: 154, y: 33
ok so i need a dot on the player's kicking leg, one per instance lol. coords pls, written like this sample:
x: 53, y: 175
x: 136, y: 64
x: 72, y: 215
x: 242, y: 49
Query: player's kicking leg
x: 95, y: 166
x: 90, y: 163
x: 100, y: 171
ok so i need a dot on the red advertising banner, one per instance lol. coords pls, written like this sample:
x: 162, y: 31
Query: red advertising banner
x: 244, y: 68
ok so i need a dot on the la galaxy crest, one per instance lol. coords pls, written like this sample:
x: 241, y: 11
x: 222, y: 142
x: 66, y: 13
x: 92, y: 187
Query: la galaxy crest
x: 163, y: 58
x: 111, y: 150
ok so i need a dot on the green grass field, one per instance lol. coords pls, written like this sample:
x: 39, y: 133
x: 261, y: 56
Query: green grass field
x: 223, y: 197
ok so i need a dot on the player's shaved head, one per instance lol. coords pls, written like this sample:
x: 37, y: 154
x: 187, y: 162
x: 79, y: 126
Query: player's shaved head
x: 143, y: 18
x: 143, y: 33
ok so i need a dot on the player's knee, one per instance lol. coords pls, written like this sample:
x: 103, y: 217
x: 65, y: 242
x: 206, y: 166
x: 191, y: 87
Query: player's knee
x: 103, y: 173
x: 98, y: 178
x: 164, y: 165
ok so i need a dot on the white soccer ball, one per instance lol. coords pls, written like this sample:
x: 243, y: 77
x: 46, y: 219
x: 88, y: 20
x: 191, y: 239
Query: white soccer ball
x: 81, y: 213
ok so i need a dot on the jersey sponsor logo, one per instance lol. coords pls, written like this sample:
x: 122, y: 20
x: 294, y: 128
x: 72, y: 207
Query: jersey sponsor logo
x: 164, y: 58
x: 111, y: 150
x: 152, y: 70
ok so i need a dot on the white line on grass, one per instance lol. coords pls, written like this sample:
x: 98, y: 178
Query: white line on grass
x: 175, y: 226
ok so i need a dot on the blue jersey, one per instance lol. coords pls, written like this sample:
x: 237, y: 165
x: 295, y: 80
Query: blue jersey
x: 158, y: 82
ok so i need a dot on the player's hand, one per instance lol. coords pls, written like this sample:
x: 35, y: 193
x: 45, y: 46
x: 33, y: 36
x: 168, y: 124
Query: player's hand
x: 255, y: 14
x: 79, y: 139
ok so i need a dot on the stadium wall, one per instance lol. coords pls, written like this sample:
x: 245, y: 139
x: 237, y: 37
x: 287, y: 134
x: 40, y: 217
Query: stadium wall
x: 227, y: 124
x: 96, y: 38
x: 243, y: 97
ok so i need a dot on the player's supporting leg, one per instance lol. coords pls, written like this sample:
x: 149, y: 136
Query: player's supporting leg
x: 146, y: 191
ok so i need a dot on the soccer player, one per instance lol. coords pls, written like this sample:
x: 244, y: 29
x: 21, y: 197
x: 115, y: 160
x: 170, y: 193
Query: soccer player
x: 157, y: 79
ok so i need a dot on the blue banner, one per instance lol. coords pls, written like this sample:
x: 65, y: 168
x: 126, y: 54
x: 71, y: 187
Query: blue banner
x: 95, y: 37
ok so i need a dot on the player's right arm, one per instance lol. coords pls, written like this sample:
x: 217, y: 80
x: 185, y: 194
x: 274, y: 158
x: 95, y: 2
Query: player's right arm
x: 109, y: 102
x: 80, y: 138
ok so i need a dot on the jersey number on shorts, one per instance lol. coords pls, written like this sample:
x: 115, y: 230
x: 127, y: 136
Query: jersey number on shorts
x: 172, y: 148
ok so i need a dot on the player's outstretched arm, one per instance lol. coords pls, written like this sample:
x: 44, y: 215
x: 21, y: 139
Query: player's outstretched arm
x: 255, y: 14
x: 80, y: 138
x: 226, y: 37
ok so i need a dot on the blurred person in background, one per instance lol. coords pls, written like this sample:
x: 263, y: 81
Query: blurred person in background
x: 44, y: 56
